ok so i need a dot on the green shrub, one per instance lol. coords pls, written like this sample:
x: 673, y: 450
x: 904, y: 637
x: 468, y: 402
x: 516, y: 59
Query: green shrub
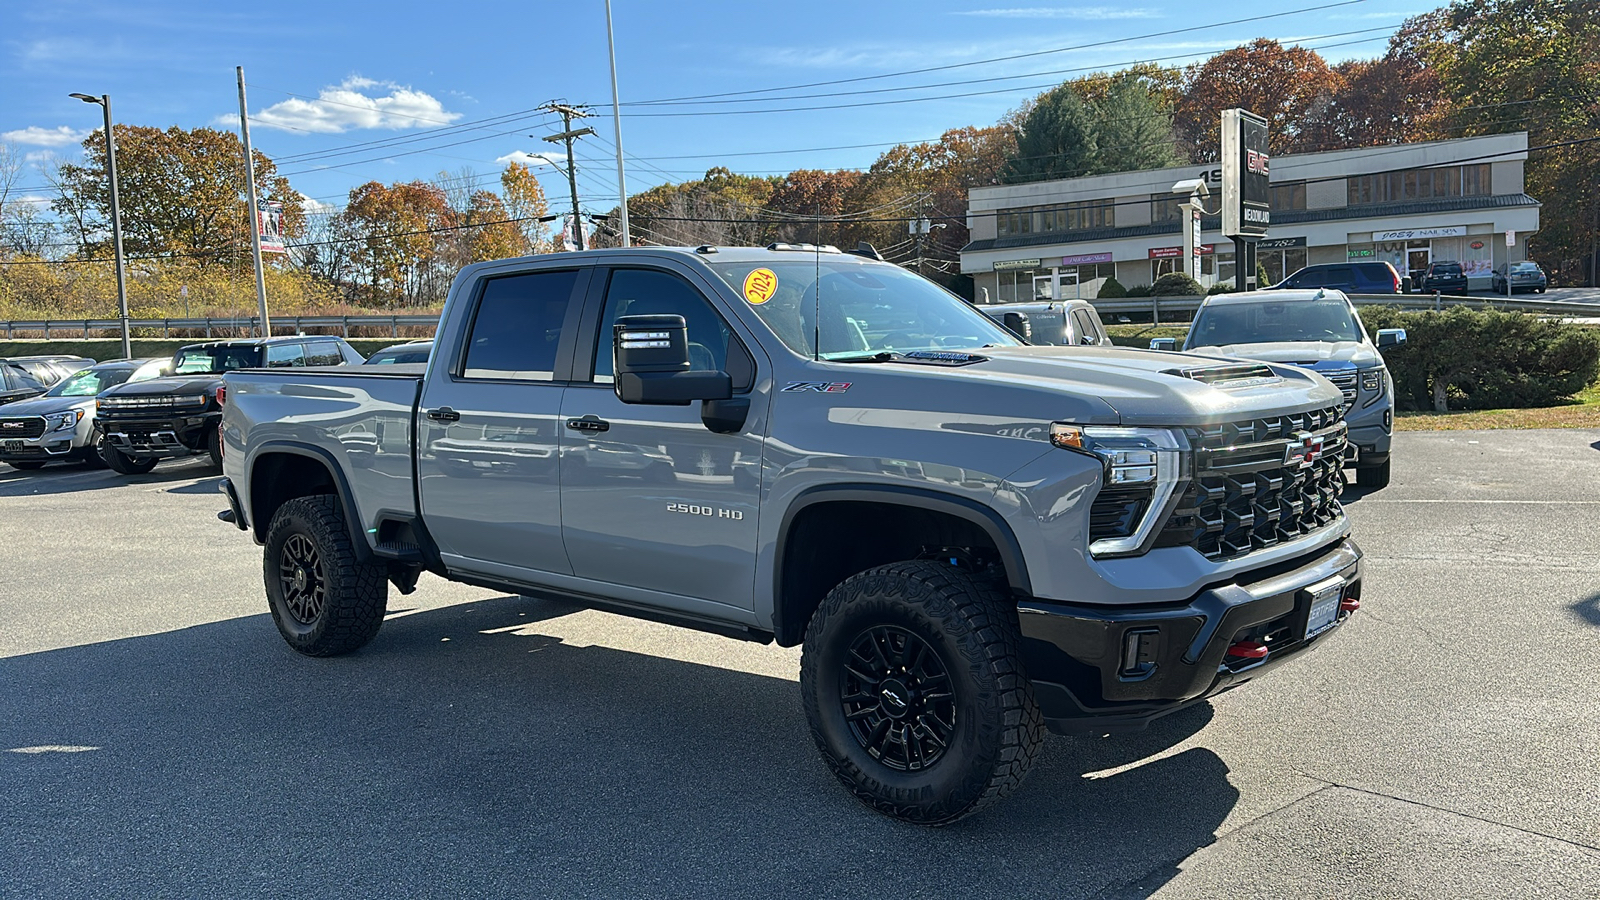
x: 1261, y: 276
x: 1112, y: 289
x: 1468, y: 359
x: 1176, y: 284
x: 1221, y: 287
x: 1139, y: 290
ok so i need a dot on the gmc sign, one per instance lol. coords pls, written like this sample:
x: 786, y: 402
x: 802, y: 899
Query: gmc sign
x: 1246, y: 186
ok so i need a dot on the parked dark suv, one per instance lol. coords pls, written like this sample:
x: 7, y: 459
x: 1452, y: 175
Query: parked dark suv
x: 1349, y: 277
x: 1444, y: 277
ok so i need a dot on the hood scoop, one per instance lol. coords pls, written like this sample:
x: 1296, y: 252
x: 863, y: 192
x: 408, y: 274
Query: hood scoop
x: 1228, y: 377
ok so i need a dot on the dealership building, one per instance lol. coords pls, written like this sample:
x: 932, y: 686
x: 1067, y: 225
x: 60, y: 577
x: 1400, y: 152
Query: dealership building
x: 1408, y: 204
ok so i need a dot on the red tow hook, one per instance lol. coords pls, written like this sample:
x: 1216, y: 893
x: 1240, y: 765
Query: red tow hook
x: 1249, y: 650
x: 1349, y: 605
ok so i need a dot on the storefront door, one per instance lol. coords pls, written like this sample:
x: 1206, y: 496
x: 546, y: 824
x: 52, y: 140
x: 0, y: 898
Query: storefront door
x: 1417, y: 259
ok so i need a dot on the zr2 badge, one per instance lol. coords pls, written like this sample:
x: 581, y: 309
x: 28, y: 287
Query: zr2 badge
x: 820, y: 387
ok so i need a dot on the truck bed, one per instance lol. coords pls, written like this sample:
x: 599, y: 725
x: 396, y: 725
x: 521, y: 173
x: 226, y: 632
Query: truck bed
x: 363, y: 417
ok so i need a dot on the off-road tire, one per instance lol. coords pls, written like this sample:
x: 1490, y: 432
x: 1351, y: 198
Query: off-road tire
x: 971, y: 627
x: 1374, y: 477
x: 124, y: 464
x: 33, y: 466
x: 214, y: 448
x: 353, y: 594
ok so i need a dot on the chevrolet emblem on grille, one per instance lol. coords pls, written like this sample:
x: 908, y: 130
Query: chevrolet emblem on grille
x: 1302, y: 450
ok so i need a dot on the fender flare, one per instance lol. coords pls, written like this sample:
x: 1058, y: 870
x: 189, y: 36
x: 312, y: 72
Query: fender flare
x: 979, y: 514
x: 341, y: 487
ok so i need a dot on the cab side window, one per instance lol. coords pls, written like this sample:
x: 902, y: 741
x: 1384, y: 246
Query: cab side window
x: 1084, y: 326
x: 323, y: 353
x: 281, y: 356
x: 648, y: 292
x: 516, y: 330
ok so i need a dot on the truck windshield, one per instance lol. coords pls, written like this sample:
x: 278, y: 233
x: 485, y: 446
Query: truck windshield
x: 90, y: 382
x: 1327, y: 319
x: 855, y: 309
x: 215, y: 360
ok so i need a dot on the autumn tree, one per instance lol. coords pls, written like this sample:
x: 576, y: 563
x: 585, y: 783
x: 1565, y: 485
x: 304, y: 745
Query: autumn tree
x: 525, y: 201
x: 1293, y: 88
x: 1395, y: 98
x: 490, y: 232
x: 393, y: 231
x: 810, y: 194
x: 1532, y: 65
x: 721, y: 208
x: 181, y: 191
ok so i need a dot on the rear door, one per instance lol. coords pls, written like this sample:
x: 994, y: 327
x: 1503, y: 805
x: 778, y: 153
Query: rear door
x: 487, y: 430
x: 651, y: 499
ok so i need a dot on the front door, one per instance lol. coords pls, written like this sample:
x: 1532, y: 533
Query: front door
x: 1417, y: 260
x: 651, y: 498
x: 488, y: 433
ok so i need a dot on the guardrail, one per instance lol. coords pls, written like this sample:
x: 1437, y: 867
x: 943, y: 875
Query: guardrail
x: 1157, y: 307
x: 280, y: 324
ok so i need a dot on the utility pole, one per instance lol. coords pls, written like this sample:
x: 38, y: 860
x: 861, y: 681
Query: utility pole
x: 568, y: 113
x: 255, y: 208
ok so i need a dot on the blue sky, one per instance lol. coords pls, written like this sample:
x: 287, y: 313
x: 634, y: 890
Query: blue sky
x: 459, y: 83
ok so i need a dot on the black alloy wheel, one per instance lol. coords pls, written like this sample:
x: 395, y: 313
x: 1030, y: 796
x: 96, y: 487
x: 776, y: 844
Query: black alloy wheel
x: 305, y: 586
x: 897, y: 698
x: 324, y: 598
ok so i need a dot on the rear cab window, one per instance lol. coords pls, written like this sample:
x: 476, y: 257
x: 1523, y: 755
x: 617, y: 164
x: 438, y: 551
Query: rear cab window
x: 280, y: 356
x: 517, y: 326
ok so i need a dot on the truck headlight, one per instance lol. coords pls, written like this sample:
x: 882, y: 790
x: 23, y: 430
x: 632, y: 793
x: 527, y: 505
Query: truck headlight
x: 69, y: 419
x: 1143, y: 467
x: 1373, y: 383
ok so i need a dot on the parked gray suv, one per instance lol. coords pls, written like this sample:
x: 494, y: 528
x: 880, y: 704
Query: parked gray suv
x: 58, y: 426
x: 1318, y: 330
x: 974, y: 539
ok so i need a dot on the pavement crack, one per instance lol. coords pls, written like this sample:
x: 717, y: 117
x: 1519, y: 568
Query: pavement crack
x: 1434, y: 639
x: 1454, y: 812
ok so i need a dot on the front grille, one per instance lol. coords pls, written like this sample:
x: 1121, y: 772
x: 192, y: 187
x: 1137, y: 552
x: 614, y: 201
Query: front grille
x: 167, y: 402
x: 1345, y: 381
x: 21, y: 427
x: 1246, y: 495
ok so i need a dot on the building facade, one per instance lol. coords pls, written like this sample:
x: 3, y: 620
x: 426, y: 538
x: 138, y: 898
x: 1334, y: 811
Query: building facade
x: 1407, y: 204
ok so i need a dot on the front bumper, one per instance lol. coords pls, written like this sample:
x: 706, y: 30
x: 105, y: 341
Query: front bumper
x: 1086, y: 682
x: 166, y: 436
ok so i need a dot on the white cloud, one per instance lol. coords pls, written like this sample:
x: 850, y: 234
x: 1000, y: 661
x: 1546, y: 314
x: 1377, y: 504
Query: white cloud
x: 314, y: 207
x: 351, y: 105
x: 533, y: 160
x: 60, y: 136
x: 1085, y: 13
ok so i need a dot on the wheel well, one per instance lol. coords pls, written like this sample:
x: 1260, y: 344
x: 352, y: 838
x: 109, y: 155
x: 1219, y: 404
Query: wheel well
x: 827, y: 542
x: 277, y: 478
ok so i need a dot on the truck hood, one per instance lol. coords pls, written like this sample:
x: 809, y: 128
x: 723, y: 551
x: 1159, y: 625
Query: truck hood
x: 1301, y: 353
x: 1145, y: 387
x: 44, y: 406
x: 172, y: 384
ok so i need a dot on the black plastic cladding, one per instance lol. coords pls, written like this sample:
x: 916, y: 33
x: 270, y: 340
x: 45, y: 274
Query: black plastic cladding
x: 1225, y: 515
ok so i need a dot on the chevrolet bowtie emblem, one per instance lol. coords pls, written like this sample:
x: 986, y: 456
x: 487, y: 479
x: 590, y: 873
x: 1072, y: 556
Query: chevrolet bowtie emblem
x: 1303, y: 449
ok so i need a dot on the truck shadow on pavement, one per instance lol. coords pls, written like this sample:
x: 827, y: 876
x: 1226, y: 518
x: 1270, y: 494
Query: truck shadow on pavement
x: 71, y: 478
x: 1588, y: 609
x: 465, y: 753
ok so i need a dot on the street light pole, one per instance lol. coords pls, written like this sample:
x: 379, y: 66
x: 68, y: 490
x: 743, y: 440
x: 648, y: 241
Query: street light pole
x: 616, y: 120
x: 116, y: 220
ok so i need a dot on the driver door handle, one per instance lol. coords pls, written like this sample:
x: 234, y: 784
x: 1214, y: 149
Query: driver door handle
x: 589, y: 423
x: 444, y: 414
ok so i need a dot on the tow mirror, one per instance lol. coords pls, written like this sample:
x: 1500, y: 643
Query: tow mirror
x: 1391, y: 337
x: 651, y: 362
x: 1018, y: 324
x: 1163, y: 343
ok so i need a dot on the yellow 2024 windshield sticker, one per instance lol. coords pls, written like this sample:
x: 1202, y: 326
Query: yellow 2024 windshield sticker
x: 760, y: 285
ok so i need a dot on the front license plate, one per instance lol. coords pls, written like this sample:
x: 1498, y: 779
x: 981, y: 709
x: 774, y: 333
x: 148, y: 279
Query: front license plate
x: 11, y: 446
x: 1325, y: 597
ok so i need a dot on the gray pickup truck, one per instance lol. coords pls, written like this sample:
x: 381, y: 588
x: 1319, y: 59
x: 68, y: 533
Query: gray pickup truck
x: 974, y: 539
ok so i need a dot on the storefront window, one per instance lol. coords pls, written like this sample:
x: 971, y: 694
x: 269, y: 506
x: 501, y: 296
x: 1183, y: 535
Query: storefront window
x: 1280, y: 264
x: 1066, y: 217
x: 1166, y: 207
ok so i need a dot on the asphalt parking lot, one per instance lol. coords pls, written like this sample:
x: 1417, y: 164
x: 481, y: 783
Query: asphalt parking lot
x: 158, y: 739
